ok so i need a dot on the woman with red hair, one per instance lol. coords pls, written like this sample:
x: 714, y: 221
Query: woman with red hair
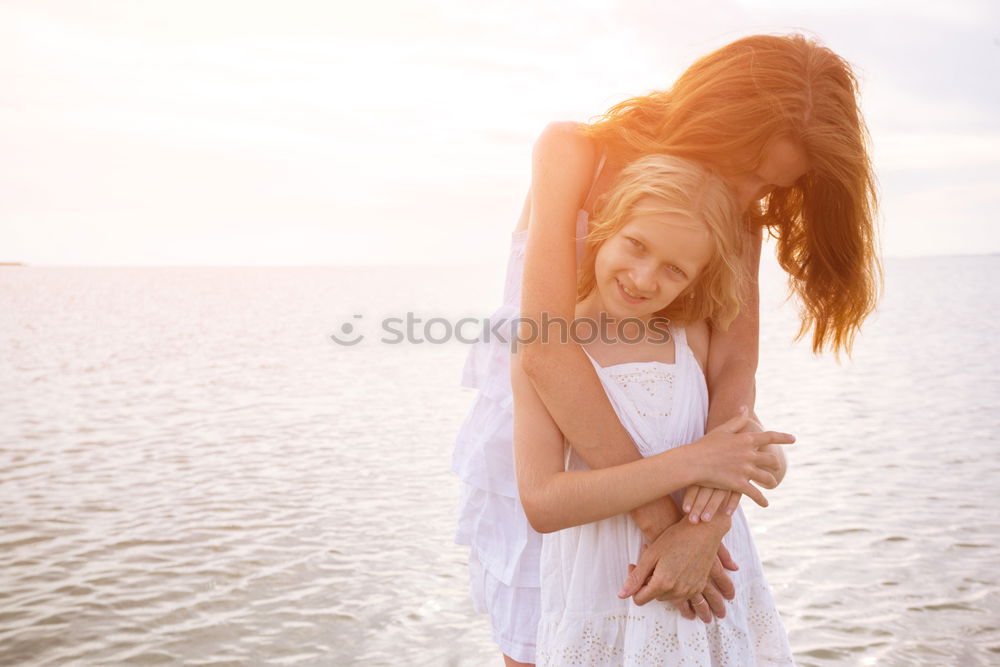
x: 778, y: 118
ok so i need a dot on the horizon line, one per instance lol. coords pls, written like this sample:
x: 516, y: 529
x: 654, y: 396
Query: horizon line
x: 440, y: 265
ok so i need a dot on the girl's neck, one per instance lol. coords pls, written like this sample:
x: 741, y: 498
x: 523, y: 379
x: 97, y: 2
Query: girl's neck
x: 607, y: 349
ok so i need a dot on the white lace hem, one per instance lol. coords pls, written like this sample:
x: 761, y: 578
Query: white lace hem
x: 656, y: 634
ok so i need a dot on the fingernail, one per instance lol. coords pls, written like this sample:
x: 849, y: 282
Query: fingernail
x: 687, y: 508
x: 729, y: 512
x: 706, y: 516
x: 623, y: 592
x: 743, y: 409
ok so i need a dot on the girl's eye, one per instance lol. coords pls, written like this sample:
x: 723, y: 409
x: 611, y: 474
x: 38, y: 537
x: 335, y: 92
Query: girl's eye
x: 676, y: 270
x: 635, y: 244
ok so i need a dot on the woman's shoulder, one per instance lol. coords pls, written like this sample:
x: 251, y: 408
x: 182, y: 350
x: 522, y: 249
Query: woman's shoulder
x: 564, y: 161
x: 568, y: 140
x: 568, y: 130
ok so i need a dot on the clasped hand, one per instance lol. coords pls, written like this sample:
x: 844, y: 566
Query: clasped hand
x: 750, y: 462
x: 688, y: 570
x: 683, y: 565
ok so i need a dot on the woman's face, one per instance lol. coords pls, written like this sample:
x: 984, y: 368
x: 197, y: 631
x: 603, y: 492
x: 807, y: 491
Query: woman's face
x: 784, y: 163
x: 649, y: 262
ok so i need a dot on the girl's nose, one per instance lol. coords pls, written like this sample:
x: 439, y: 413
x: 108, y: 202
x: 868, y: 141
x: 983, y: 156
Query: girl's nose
x: 643, y: 278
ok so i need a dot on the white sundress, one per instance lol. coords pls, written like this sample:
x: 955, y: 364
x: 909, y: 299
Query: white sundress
x: 583, y: 622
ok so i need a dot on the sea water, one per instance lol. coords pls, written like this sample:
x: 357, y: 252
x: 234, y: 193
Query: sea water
x: 193, y: 471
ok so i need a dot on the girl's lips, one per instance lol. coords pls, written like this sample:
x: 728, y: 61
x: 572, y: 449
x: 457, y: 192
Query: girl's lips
x: 625, y: 296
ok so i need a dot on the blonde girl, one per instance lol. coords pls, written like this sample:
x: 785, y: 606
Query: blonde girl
x: 662, y: 246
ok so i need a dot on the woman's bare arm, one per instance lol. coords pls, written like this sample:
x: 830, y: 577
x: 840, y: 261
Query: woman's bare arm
x: 732, y: 354
x: 732, y: 357
x: 563, y: 163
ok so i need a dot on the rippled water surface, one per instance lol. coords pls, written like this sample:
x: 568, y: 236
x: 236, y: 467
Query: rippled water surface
x: 192, y: 472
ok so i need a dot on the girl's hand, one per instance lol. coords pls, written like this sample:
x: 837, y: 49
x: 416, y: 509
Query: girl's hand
x: 730, y: 460
x: 702, y: 502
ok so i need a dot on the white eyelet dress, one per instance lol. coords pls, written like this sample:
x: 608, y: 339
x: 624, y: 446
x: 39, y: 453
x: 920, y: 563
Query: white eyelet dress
x: 503, y: 548
x: 582, y: 568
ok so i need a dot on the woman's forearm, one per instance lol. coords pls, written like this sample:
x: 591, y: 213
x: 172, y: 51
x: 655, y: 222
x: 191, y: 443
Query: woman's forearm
x: 732, y: 387
x: 563, y: 165
x: 576, y: 497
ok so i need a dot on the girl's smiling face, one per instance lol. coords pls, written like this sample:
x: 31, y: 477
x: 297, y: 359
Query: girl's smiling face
x: 649, y: 262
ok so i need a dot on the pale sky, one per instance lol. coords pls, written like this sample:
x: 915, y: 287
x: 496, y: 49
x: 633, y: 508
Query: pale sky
x: 392, y: 132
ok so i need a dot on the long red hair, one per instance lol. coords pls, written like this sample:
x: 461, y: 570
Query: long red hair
x: 736, y: 101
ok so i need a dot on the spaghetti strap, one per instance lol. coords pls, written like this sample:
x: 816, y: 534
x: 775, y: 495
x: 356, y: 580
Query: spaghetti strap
x: 680, y: 339
x: 597, y: 171
x: 593, y: 180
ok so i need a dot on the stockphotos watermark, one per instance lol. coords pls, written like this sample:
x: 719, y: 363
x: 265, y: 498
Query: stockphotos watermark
x: 412, y: 330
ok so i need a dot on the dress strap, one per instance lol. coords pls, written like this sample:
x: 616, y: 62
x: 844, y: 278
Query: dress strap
x: 680, y: 340
x: 593, y: 180
x: 597, y: 366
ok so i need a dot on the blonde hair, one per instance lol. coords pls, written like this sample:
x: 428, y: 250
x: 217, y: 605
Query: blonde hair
x: 737, y: 101
x: 686, y: 188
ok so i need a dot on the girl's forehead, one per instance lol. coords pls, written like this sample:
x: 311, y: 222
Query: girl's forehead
x: 653, y: 218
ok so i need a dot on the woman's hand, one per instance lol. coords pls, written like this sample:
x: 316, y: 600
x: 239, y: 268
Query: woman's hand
x: 727, y: 459
x: 677, y: 566
x: 719, y: 589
